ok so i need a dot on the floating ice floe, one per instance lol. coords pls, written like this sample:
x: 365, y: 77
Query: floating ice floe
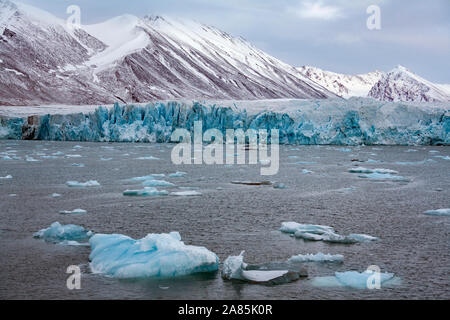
x: 73, y: 243
x: 352, y: 279
x: 146, y: 178
x: 234, y: 268
x: 105, y: 159
x: 56, y: 195
x: 382, y: 176
x: 78, y: 165
x: 7, y: 158
x: 443, y: 157
x: 305, y: 171
x: 253, y: 183
x: 30, y: 159
x: 188, y: 193
x: 279, y: 185
x: 438, y: 212
x: 146, y: 192
x: 319, y: 257
x: 413, y: 163
x: 177, y: 174
x: 76, y: 211
x: 322, y: 233
x: 74, y: 156
x: 57, y: 233
x: 6, y: 177
x: 87, y: 184
x: 365, y: 170
x: 157, y: 183
x: 147, y: 158
x: 155, y: 256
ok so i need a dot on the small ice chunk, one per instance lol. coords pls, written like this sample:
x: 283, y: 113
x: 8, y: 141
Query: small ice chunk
x: 379, y: 170
x: 157, y: 183
x: 105, y: 159
x: 188, y: 193
x: 146, y: 192
x: 177, y: 174
x: 155, y: 256
x: 30, y: 159
x: 292, y: 227
x: 438, y: 212
x: 357, y: 280
x: 149, y: 177
x: 73, y: 243
x: 443, y: 157
x: 78, y: 165
x: 306, y: 171
x: 6, y: 177
x: 318, y: 257
x: 7, y: 158
x: 76, y: 211
x: 57, y: 233
x: 279, y: 185
x: 147, y: 158
x: 74, y: 156
x: 87, y: 184
x: 382, y: 176
x: 362, y: 237
x: 56, y: 195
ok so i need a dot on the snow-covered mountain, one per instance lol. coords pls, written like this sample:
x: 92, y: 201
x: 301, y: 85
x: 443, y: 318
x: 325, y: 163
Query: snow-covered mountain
x: 344, y: 85
x: 400, y: 84
x: 130, y: 59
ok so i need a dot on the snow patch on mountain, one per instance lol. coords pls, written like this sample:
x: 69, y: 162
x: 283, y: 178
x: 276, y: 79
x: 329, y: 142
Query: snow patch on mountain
x: 344, y: 85
x: 400, y: 84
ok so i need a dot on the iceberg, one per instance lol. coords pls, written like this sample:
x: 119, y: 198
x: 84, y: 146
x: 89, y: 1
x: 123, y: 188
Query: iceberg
x: 157, y: 183
x: 177, y: 174
x: 155, y: 256
x: 312, y: 232
x: 438, y: 212
x: 87, y: 184
x: 146, y: 192
x: 76, y: 211
x: 57, y: 233
x: 318, y: 257
x: 356, y: 121
x: 188, y: 193
x: 234, y: 268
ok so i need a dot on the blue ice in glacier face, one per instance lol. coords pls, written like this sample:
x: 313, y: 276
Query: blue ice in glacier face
x: 155, y: 256
x: 355, y: 121
x: 58, y: 233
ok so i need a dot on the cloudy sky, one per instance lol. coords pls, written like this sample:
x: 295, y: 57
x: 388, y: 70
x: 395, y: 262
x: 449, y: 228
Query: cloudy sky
x: 330, y: 34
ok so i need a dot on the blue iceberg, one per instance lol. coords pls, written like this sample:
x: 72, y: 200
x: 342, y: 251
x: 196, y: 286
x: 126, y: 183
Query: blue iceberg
x: 58, y: 233
x: 155, y: 256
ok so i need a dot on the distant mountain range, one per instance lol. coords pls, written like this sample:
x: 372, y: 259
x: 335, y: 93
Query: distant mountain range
x: 129, y: 59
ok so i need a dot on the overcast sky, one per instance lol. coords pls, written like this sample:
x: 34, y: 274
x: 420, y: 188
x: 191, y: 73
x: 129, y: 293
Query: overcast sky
x: 330, y: 34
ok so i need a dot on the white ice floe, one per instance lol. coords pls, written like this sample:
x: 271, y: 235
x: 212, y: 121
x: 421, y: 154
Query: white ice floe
x: 234, y: 268
x: 56, y: 195
x: 322, y: 233
x: 306, y: 171
x: 78, y: 165
x: 155, y: 256
x: 57, y: 233
x: 6, y: 177
x: 443, y: 157
x: 87, y: 184
x: 319, y: 257
x: 188, y: 193
x: 147, y: 158
x: 177, y: 174
x: 157, y: 183
x: 148, y: 177
x: 146, y: 192
x: 438, y: 212
x: 76, y: 211
x: 382, y: 176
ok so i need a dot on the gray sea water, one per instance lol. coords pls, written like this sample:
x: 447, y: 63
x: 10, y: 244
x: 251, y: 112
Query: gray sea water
x: 226, y: 219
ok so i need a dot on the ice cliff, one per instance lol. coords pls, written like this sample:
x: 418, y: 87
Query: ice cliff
x: 307, y: 122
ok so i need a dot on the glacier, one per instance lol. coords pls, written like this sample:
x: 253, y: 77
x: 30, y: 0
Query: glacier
x: 356, y: 121
x: 155, y: 256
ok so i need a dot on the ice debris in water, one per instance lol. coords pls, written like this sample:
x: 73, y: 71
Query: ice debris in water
x: 76, y: 211
x: 279, y: 185
x: 6, y: 177
x: 443, y: 157
x: 146, y: 192
x: 438, y: 212
x: 30, y: 159
x: 76, y: 184
x: 78, y: 165
x: 155, y: 256
x: 177, y: 174
x: 56, y: 195
x: 319, y: 257
x: 322, y: 233
x: 149, y: 177
x: 365, y: 170
x: 188, y: 193
x: 147, y: 158
x: 382, y: 176
x: 305, y: 171
x: 157, y: 183
x: 234, y: 268
x: 58, y: 233
x: 360, y: 280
